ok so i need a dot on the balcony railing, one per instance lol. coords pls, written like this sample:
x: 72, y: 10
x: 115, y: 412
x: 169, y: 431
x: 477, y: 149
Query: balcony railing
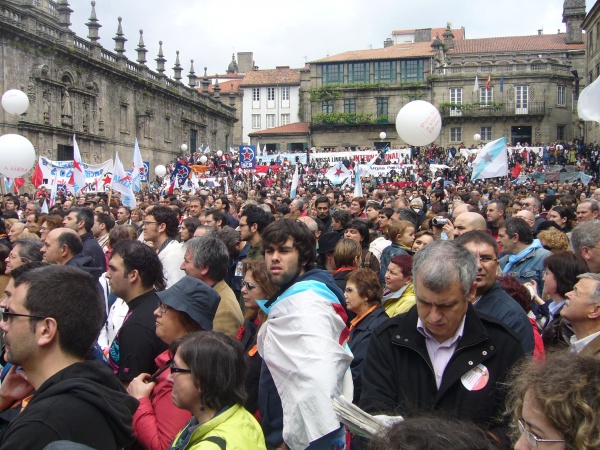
x: 448, y: 110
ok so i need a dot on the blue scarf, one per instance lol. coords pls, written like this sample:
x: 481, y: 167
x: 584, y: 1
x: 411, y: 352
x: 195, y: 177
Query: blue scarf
x: 513, y: 259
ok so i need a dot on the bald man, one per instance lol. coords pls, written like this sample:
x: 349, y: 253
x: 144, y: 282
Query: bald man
x: 527, y: 216
x: 468, y: 221
x: 463, y: 208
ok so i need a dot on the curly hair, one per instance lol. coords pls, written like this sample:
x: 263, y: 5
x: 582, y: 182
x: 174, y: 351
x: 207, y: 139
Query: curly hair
x: 566, y: 388
x: 554, y: 239
x: 258, y: 268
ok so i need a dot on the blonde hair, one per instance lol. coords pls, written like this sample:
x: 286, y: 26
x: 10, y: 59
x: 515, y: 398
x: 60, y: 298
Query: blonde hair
x: 556, y: 240
x: 345, y: 252
x: 398, y: 228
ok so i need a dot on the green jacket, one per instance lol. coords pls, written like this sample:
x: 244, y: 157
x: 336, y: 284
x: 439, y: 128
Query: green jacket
x: 236, y: 426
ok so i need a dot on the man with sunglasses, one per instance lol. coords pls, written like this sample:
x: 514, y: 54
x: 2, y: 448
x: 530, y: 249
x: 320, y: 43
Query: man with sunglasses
x: 53, y: 318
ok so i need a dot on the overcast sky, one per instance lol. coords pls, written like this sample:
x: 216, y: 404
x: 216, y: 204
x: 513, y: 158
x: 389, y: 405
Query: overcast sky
x: 284, y: 33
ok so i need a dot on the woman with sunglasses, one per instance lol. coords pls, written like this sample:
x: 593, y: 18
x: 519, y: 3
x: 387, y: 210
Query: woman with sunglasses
x: 207, y: 375
x: 187, y: 306
x: 255, y: 286
x: 554, y: 403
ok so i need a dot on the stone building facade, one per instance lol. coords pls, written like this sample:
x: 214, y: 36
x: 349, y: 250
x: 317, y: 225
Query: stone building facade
x: 591, y: 25
x: 75, y: 86
x: 529, y: 98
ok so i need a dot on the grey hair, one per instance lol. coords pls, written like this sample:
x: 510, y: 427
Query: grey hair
x: 593, y: 204
x: 595, y: 295
x: 29, y: 249
x: 448, y: 263
x: 586, y: 234
x: 210, y: 231
x: 211, y: 252
x: 418, y: 201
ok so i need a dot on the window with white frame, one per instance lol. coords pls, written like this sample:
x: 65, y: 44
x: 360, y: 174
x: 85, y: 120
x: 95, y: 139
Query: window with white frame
x: 285, y: 119
x: 456, y: 134
x: 256, y: 94
x: 270, y: 120
x: 270, y: 93
x: 486, y: 96
x: 561, y: 96
x: 485, y: 133
x: 255, y: 120
x: 456, y: 97
x: 285, y: 93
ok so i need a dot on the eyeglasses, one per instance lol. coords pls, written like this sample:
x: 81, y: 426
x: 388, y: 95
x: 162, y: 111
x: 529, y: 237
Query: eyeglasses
x: 162, y: 307
x: 178, y: 369
x: 5, y: 315
x: 247, y: 285
x: 147, y: 222
x: 485, y: 259
x: 532, y: 438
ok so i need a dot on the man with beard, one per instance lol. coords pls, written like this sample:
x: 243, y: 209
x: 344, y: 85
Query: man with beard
x: 305, y: 313
x: 322, y: 205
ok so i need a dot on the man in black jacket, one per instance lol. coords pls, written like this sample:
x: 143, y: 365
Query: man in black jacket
x: 441, y: 355
x: 53, y: 318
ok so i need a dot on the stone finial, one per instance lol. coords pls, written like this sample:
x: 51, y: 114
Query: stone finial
x: 141, y: 49
x: 205, y: 82
x: 120, y: 40
x: 93, y: 26
x: 217, y: 88
x: 160, y: 61
x: 192, y: 78
x: 177, y: 69
x: 437, y: 42
x: 231, y: 96
x: 64, y: 13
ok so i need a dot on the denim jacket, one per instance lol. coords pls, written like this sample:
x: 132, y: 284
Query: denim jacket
x: 531, y: 267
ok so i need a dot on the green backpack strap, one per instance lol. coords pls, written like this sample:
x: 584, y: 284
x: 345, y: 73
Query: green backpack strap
x: 217, y: 441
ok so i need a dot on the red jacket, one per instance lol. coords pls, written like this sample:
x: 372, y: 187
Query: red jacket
x: 157, y: 420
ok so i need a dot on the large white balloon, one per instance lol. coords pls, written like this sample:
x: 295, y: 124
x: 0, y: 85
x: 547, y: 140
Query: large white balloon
x: 219, y: 153
x: 203, y: 159
x: 17, y: 155
x: 477, y: 137
x: 418, y: 123
x: 160, y: 170
x: 15, y: 101
x: 382, y: 135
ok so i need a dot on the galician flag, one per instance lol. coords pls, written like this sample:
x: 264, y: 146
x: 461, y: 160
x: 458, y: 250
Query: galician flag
x: 358, y: 192
x: 294, y: 188
x: 78, y: 178
x: 121, y: 182
x: 338, y: 173
x: 491, y: 161
x: 138, y: 167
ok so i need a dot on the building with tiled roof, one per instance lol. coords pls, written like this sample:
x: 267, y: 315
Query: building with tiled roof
x: 271, y: 98
x: 356, y: 95
x: 291, y: 137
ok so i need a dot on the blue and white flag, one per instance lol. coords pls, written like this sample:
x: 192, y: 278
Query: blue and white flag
x: 138, y: 168
x: 180, y: 174
x: 121, y: 182
x: 338, y: 173
x: 491, y: 161
x: 294, y: 188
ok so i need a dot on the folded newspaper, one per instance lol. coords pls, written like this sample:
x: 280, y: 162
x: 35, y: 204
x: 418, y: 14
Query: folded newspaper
x: 361, y: 423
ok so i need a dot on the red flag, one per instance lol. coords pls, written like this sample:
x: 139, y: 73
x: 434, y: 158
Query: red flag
x: 516, y: 170
x: 19, y: 182
x: 38, y: 177
x: 487, y: 83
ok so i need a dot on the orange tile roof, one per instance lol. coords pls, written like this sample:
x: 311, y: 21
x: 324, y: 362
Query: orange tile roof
x: 280, y: 75
x: 391, y: 52
x: 226, y: 86
x: 515, y: 44
x: 300, y: 128
x: 458, y: 34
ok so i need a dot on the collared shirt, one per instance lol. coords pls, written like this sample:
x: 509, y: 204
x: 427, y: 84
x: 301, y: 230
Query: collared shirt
x: 440, y: 352
x: 553, y: 307
x: 578, y: 345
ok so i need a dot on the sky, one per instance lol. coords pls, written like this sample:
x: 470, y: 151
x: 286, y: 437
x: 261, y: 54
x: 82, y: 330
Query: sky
x: 282, y: 33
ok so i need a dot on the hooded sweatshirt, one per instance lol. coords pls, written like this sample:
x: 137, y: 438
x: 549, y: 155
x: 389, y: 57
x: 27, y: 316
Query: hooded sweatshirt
x: 83, y: 403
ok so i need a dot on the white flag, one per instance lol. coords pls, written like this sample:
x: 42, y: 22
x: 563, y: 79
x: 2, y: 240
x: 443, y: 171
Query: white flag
x: 78, y: 171
x: 138, y: 167
x: 121, y: 182
x: 476, y: 87
x: 588, y: 105
x: 358, y: 192
x: 294, y: 188
x: 338, y: 173
x: 491, y: 161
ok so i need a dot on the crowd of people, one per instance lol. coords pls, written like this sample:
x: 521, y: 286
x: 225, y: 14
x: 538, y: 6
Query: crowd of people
x: 229, y: 316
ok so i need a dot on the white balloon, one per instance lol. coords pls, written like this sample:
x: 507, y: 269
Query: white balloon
x: 160, y: 170
x: 184, y: 148
x: 15, y: 101
x: 418, y: 123
x: 203, y: 159
x: 17, y: 155
x: 219, y: 153
x: 477, y: 137
x: 382, y: 135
